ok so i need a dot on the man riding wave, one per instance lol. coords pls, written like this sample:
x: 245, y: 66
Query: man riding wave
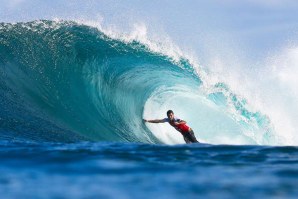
x: 179, y: 125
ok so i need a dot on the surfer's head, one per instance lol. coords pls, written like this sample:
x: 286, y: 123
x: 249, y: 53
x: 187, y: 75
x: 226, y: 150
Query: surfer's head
x: 170, y: 114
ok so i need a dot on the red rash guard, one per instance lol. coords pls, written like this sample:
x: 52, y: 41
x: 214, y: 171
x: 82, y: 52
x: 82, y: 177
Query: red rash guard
x: 180, y: 127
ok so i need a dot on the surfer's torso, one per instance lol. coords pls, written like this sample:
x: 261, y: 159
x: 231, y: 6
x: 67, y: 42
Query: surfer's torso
x: 180, y: 127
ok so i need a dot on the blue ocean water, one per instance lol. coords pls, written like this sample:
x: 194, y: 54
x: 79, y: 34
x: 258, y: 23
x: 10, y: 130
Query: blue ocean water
x: 136, y: 170
x: 72, y: 99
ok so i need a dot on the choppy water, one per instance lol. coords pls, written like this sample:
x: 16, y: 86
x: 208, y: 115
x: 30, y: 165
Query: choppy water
x: 134, y: 170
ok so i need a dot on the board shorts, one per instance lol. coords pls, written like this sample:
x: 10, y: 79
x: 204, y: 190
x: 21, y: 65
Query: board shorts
x: 189, y: 137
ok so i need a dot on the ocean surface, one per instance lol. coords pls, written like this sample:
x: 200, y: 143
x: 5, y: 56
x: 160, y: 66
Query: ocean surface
x: 135, y: 170
x: 72, y: 100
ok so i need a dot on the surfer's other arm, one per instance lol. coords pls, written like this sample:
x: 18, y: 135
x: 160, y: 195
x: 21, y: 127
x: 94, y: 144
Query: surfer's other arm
x: 154, y: 121
x: 180, y: 122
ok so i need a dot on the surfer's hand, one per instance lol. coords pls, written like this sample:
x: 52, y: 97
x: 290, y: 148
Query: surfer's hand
x: 176, y: 123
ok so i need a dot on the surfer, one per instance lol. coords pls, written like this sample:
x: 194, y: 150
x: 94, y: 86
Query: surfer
x: 179, y: 125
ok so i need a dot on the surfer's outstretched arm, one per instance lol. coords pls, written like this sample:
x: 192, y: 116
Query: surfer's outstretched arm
x: 154, y: 121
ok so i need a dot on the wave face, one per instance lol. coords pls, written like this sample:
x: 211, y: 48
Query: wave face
x: 63, y: 81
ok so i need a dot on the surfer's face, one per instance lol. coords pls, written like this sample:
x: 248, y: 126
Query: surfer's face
x: 171, y: 116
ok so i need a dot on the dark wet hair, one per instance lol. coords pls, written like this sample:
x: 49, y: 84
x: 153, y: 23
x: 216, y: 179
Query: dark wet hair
x: 169, y: 112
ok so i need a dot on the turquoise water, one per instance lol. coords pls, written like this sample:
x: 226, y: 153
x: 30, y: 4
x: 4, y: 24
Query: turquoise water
x: 62, y: 81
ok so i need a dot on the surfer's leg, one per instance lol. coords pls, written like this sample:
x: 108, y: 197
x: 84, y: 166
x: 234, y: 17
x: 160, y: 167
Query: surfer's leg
x: 192, y: 136
x: 186, y: 139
